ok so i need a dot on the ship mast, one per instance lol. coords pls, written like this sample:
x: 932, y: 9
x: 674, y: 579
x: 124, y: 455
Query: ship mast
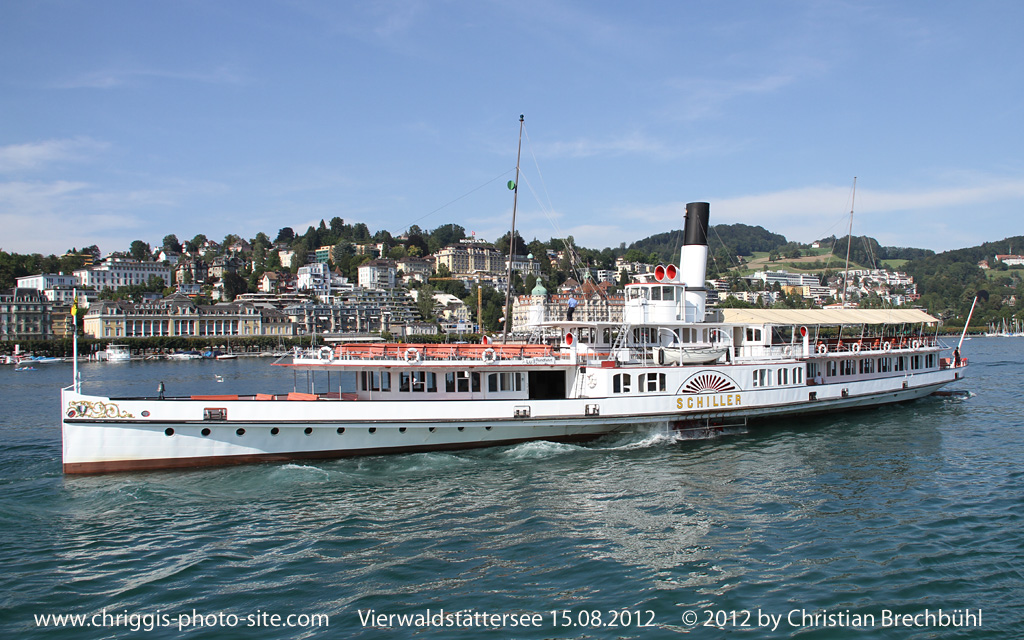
x: 514, y: 186
x: 849, y: 241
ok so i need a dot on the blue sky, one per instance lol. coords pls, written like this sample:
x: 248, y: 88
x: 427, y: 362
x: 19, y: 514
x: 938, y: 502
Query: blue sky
x: 132, y: 120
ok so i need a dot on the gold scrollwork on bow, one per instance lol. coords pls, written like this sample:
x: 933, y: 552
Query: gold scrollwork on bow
x: 98, y: 410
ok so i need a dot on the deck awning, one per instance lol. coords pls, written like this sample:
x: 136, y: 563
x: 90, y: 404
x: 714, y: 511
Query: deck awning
x: 826, y: 316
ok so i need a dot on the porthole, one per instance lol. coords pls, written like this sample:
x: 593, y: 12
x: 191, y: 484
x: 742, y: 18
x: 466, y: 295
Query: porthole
x: 462, y: 428
x: 308, y: 430
x: 275, y: 431
x: 240, y: 431
x: 488, y: 427
x: 373, y: 429
x: 432, y: 429
x: 168, y: 431
x: 145, y: 414
x: 205, y: 432
x: 341, y: 430
x: 401, y: 429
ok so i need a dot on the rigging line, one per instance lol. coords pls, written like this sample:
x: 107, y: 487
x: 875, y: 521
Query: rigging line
x: 468, y: 193
x: 536, y: 164
x: 575, y: 262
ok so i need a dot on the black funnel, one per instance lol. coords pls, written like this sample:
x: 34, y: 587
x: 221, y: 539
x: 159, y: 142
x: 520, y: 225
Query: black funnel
x: 696, y: 230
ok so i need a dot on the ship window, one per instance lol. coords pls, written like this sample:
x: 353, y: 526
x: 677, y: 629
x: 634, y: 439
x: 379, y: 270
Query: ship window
x: 459, y: 381
x: 651, y: 382
x: 753, y: 335
x: 403, y: 381
x: 492, y: 382
x: 831, y: 367
x: 476, y: 382
x: 620, y: 383
x: 385, y: 381
x: 668, y: 293
x: 783, y: 376
x: 655, y: 293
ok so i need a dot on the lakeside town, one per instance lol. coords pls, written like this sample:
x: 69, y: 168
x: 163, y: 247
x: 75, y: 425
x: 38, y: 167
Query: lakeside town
x: 400, y: 290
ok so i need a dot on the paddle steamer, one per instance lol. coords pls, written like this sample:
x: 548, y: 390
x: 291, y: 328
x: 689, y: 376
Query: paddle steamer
x: 669, y: 363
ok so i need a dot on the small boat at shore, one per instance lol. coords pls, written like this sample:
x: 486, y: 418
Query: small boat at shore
x: 185, y: 355
x: 669, y: 364
x: 117, y: 353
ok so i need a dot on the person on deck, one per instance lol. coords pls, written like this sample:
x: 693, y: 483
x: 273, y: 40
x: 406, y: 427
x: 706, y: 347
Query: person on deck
x: 572, y: 308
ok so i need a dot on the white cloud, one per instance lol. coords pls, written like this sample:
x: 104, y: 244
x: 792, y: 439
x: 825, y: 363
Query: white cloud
x: 36, y: 155
x: 121, y: 76
x: 629, y: 143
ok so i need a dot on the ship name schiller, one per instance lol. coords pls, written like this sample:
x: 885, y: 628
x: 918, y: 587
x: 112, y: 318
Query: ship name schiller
x: 708, y: 402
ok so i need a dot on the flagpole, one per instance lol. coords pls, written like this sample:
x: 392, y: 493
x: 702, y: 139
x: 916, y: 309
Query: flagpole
x: 512, y: 236
x: 74, y: 341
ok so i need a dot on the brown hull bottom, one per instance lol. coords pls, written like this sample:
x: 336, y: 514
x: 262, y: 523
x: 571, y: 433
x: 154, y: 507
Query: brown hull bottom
x: 110, y: 466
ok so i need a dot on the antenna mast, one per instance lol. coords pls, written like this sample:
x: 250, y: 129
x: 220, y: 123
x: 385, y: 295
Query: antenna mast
x: 512, y: 235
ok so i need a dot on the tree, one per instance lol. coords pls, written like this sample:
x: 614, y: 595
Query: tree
x: 234, y: 285
x: 502, y: 245
x: 416, y: 241
x: 196, y: 243
x: 171, y: 243
x: 285, y: 235
x: 445, y: 235
x: 425, y: 301
x: 300, y: 258
x: 140, y: 250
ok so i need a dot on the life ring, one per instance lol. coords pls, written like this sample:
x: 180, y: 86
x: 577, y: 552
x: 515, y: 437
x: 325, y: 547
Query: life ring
x: 887, y: 345
x: 822, y: 348
x: 916, y: 344
x: 488, y: 355
x: 412, y: 354
x: 326, y: 353
x: 855, y: 348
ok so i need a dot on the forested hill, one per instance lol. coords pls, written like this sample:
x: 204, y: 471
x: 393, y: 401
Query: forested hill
x: 741, y: 239
x: 866, y: 250
x: 951, y: 279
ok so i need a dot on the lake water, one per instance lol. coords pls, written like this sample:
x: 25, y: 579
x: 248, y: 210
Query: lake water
x: 799, y: 528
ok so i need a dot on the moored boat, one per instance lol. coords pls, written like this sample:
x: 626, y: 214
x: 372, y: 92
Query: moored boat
x: 669, y: 363
x: 117, y: 353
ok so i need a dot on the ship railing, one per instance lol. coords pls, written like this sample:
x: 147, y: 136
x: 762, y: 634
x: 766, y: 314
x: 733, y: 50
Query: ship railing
x: 873, y: 344
x: 412, y: 353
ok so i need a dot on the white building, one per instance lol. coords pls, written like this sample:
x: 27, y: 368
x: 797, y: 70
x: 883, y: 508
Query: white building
x: 378, y: 274
x: 114, y: 273
x: 58, y: 288
x: 525, y: 265
x: 314, y: 278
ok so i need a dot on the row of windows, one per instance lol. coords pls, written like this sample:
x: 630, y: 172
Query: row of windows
x: 427, y: 381
x: 646, y: 383
x: 851, y: 367
x: 782, y: 376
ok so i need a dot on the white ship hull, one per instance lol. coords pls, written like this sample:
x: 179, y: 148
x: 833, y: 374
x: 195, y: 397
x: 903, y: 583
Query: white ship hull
x: 135, y: 434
